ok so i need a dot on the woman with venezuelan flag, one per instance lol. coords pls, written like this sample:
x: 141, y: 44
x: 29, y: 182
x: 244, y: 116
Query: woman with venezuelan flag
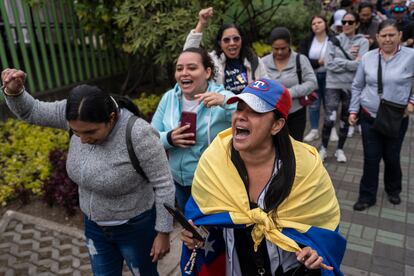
x: 270, y: 194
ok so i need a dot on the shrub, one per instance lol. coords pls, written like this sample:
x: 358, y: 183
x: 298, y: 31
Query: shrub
x: 147, y: 104
x: 24, y: 164
x: 59, y: 188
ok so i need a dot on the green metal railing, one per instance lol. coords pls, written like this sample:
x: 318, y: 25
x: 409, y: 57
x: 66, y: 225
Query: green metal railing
x: 46, y: 41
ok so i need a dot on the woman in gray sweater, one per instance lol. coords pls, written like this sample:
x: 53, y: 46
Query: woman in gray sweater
x: 342, y: 57
x: 124, y: 214
x: 281, y: 66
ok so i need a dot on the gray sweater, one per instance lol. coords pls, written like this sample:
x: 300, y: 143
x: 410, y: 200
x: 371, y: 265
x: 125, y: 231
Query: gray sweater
x: 109, y: 186
x: 340, y: 71
x: 289, y: 78
x: 397, y: 80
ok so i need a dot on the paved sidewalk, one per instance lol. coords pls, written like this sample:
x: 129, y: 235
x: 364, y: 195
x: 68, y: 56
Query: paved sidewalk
x: 380, y: 239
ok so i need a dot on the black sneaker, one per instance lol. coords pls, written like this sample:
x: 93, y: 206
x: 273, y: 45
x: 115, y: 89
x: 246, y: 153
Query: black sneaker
x: 394, y: 199
x: 361, y: 206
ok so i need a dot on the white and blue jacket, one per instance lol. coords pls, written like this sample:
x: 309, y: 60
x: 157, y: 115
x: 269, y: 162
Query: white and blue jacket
x: 210, y: 121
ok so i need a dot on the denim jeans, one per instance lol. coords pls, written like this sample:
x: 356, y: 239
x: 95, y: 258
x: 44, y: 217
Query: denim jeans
x: 109, y: 246
x: 182, y: 194
x: 376, y: 147
x: 315, y: 107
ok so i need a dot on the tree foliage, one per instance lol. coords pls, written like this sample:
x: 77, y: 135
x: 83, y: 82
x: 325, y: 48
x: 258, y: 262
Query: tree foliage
x: 153, y: 32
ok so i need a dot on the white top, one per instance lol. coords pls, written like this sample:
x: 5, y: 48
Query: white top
x: 190, y: 105
x: 317, y: 51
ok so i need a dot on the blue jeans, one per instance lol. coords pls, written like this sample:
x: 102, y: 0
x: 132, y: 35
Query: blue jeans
x: 109, y: 246
x: 376, y: 147
x: 315, y: 107
x: 182, y: 194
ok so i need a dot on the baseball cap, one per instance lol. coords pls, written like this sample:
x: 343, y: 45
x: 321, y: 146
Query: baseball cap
x: 265, y: 95
x: 338, y: 15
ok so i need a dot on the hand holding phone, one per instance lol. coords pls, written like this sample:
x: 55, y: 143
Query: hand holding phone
x: 199, y: 234
x: 189, y: 118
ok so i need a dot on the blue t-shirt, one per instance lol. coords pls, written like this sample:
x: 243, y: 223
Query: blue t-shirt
x: 235, y: 76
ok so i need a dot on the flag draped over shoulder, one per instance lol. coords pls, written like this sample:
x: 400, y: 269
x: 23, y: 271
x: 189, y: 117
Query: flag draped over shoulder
x: 309, y: 216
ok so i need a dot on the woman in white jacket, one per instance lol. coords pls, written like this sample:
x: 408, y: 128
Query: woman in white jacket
x: 235, y: 63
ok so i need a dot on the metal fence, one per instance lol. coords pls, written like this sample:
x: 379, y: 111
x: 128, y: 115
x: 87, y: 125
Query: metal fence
x: 46, y: 41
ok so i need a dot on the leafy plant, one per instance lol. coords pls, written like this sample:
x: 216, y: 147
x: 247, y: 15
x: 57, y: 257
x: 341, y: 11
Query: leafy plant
x: 59, y: 189
x: 147, y: 104
x: 24, y: 163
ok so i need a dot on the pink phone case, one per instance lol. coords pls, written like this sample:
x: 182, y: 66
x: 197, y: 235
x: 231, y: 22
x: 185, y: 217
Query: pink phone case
x: 189, y: 118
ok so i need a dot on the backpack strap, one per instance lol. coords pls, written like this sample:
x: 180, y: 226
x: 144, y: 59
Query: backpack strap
x: 130, y: 147
x: 298, y: 68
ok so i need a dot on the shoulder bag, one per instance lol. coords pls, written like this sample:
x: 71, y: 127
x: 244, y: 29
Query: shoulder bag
x: 389, y: 114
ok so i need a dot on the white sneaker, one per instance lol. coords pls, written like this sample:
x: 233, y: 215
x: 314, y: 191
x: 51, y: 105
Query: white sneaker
x: 311, y: 136
x: 323, y: 153
x: 351, y: 131
x: 334, y: 136
x: 340, y: 156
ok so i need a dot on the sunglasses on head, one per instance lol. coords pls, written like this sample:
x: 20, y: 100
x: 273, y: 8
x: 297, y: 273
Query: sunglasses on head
x: 398, y: 9
x: 349, y: 22
x: 227, y: 39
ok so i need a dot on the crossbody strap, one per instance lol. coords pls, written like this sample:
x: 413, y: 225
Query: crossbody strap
x: 298, y: 68
x: 379, y: 74
x: 130, y: 147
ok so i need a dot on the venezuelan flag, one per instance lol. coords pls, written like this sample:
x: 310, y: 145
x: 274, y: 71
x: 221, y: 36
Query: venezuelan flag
x: 309, y: 216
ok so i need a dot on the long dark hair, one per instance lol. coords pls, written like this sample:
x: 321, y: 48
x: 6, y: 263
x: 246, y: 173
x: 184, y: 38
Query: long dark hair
x: 281, y: 185
x: 90, y: 104
x: 205, y: 59
x: 245, y: 51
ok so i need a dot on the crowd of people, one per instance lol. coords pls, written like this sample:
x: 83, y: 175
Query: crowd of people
x: 226, y: 143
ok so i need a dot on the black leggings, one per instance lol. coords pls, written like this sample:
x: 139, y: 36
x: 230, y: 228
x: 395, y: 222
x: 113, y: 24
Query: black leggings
x: 333, y: 98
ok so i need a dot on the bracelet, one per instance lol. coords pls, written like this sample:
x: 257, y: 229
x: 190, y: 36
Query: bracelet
x: 12, y: 95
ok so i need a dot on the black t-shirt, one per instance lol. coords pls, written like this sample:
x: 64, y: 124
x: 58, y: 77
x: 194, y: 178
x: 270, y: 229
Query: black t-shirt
x: 235, y: 76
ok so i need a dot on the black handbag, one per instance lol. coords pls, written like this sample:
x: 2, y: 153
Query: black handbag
x: 390, y: 114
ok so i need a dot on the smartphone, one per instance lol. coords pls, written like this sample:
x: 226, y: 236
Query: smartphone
x: 200, y: 234
x: 189, y: 118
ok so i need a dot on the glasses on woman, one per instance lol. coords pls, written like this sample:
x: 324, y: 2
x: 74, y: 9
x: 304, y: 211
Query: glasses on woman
x: 398, y: 9
x: 349, y: 22
x: 235, y: 39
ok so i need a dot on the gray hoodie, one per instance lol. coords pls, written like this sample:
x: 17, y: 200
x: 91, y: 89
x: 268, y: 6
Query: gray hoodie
x: 289, y: 78
x: 340, y: 71
x: 109, y: 187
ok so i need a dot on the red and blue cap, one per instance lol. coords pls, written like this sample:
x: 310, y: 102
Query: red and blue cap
x: 265, y: 95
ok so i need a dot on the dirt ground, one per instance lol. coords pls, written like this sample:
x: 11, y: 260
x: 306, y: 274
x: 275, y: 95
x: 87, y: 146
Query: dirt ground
x: 38, y: 208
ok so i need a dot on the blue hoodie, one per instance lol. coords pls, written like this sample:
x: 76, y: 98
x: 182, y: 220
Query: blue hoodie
x: 210, y: 121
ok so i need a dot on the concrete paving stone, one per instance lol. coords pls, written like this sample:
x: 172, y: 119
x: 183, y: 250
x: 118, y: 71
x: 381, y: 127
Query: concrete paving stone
x: 385, y: 266
x: 409, y: 243
x: 392, y: 226
x: 389, y: 252
x: 359, y: 248
x: 369, y: 233
x: 390, y: 238
x: 409, y: 228
x: 346, y: 215
x: 410, y: 218
x: 355, y: 230
x: 409, y: 270
x: 351, y: 271
x: 409, y: 257
x: 393, y: 214
x: 365, y: 219
x: 369, y: 244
